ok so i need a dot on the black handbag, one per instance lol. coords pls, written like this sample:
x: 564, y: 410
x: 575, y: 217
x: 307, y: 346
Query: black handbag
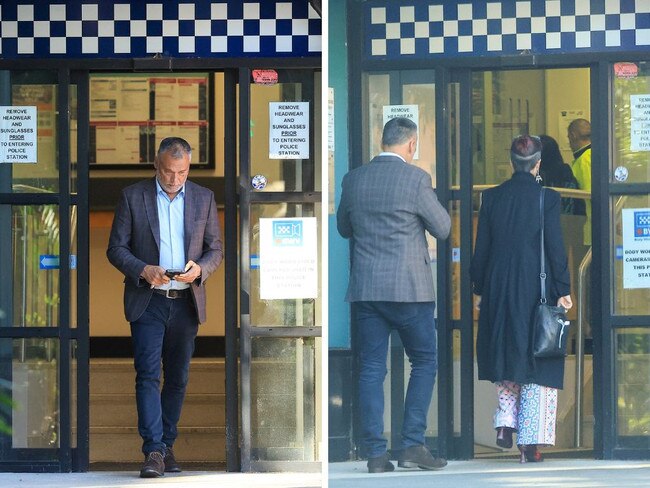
x: 550, y: 323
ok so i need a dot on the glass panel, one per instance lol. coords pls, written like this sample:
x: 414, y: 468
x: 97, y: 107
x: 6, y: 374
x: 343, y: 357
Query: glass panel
x: 73, y: 393
x: 33, y: 300
x: 378, y: 95
x: 72, y: 99
x: 630, y: 271
x: 633, y: 389
x: 73, y: 266
x: 454, y: 135
x: 455, y: 281
x: 299, y: 312
x: 37, y: 89
x: 631, y: 138
x: 31, y: 367
x: 423, y: 95
x: 283, y: 403
x: 281, y: 149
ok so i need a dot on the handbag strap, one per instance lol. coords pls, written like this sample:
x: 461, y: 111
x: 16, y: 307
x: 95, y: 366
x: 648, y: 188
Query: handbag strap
x: 542, y: 274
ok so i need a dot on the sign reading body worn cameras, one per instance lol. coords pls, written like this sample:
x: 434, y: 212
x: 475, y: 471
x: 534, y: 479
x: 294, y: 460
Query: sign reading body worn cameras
x: 636, y: 248
x: 288, y: 258
x: 18, y: 132
x: 289, y: 130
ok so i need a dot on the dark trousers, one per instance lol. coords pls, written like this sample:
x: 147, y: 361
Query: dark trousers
x: 415, y: 324
x: 165, y: 331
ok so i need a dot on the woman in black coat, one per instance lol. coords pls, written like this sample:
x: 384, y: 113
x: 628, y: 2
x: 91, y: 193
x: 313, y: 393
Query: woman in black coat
x: 505, y: 273
x: 555, y: 172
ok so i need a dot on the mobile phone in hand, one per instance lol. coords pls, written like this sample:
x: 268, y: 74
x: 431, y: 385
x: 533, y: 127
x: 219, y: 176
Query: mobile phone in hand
x: 172, y: 273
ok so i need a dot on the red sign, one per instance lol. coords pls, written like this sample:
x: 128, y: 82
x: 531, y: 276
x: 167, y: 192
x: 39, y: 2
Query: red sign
x: 626, y: 70
x: 265, y: 76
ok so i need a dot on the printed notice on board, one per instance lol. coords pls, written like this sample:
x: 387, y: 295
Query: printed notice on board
x: 18, y: 134
x: 640, y: 122
x: 288, y: 258
x: 636, y: 248
x: 289, y: 130
x: 406, y: 111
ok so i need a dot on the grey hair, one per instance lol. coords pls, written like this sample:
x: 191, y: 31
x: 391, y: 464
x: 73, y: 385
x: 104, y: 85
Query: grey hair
x: 525, y: 151
x: 398, y: 131
x: 176, y: 146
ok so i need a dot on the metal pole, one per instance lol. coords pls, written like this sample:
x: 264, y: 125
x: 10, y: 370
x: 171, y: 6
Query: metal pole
x: 580, y: 354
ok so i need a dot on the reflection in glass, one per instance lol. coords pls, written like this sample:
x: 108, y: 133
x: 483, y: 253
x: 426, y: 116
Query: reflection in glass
x: 629, y: 125
x: 35, y: 257
x: 283, y: 403
x: 377, y: 96
x: 31, y: 367
x: 284, y: 174
x: 73, y: 393
x: 626, y: 301
x: 423, y: 95
x: 632, y: 373
x: 73, y: 266
x: 37, y: 89
x: 72, y: 99
x: 302, y: 312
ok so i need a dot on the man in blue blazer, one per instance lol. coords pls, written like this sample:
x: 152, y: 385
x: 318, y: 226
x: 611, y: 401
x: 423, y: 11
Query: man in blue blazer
x: 166, y: 241
x: 386, y: 207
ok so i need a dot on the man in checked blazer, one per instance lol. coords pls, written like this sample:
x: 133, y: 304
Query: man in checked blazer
x: 385, y: 208
x: 166, y: 241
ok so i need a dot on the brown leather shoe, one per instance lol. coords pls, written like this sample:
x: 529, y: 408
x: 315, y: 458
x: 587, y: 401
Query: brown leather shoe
x: 154, y: 465
x: 420, y: 457
x: 380, y: 464
x: 171, y: 466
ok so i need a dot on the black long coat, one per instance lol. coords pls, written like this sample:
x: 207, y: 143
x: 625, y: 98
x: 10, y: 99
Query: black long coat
x: 505, y: 272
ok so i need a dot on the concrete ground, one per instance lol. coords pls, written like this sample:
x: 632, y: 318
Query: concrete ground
x: 190, y: 479
x: 504, y: 473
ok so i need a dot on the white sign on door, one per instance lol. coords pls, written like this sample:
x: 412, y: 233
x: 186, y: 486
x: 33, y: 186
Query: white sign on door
x: 18, y: 131
x: 640, y: 122
x: 289, y: 130
x: 636, y: 248
x: 408, y: 112
x: 288, y: 258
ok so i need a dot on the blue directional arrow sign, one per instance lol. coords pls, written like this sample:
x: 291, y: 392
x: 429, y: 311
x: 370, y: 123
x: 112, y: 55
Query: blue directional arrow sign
x: 48, y: 261
x: 51, y: 261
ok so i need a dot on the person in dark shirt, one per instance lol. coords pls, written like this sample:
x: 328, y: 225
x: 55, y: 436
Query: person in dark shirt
x: 556, y: 173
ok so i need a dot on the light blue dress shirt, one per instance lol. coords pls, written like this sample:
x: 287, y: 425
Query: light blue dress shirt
x: 171, y: 217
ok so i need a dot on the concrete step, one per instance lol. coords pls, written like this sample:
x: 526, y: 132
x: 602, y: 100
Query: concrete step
x: 123, y: 444
x: 199, y: 410
x: 118, y: 376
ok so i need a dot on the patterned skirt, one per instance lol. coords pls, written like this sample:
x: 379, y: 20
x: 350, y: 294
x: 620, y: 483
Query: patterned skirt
x: 530, y: 409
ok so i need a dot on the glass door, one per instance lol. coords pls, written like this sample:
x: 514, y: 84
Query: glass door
x: 486, y: 110
x: 43, y: 271
x: 628, y: 304
x: 280, y: 298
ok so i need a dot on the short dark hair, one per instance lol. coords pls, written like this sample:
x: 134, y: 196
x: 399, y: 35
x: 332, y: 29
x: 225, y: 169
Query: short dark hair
x: 525, y: 151
x: 398, y: 131
x: 177, y: 146
x: 581, y: 128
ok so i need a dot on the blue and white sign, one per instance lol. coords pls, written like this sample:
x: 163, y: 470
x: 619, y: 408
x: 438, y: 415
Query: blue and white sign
x: 18, y: 135
x: 288, y: 258
x: 636, y: 248
x: 51, y: 261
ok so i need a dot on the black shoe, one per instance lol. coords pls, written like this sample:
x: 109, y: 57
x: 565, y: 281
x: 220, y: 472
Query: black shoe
x: 154, y: 465
x: 420, y: 457
x: 504, y: 437
x: 171, y: 466
x: 380, y: 464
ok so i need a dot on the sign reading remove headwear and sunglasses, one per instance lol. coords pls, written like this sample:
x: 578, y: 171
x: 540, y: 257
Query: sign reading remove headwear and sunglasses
x: 18, y: 132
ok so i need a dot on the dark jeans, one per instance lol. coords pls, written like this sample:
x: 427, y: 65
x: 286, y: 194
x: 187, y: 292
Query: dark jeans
x: 166, y: 330
x: 415, y: 324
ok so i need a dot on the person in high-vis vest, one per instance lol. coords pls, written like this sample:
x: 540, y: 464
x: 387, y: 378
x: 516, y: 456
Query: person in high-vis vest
x: 579, y: 134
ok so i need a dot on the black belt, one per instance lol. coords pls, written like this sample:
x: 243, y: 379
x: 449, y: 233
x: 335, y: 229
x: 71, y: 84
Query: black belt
x: 173, y: 294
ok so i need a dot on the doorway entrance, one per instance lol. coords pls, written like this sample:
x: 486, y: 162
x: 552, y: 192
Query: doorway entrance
x: 60, y: 297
